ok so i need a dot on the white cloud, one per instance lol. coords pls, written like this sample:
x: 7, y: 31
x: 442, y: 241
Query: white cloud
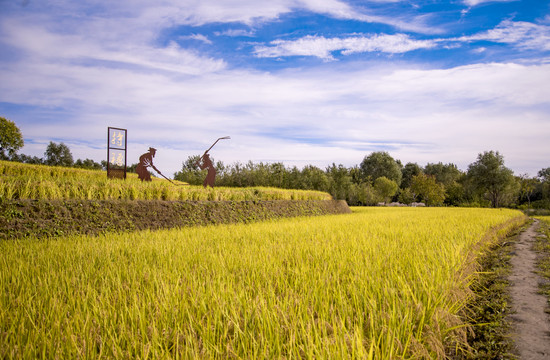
x: 477, y: 2
x: 523, y: 35
x: 198, y: 37
x: 36, y: 42
x: 316, y: 116
x: 322, y: 47
x: 235, y: 33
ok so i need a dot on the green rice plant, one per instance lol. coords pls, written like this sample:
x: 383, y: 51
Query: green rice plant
x: 380, y: 283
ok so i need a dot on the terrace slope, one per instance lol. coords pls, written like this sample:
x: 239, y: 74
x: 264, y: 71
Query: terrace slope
x: 41, y: 218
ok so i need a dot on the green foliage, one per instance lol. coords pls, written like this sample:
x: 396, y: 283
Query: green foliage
x: 406, y: 196
x: 427, y: 189
x: 11, y: 139
x: 408, y: 171
x: 58, y: 155
x: 87, y: 164
x: 190, y: 171
x: 385, y: 188
x: 454, y: 194
x: 444, y: 174
x: 380, y: 164
x: 488, y: 174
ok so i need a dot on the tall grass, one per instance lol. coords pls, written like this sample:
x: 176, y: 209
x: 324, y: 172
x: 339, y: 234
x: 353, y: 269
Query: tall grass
x: 24, y: 181
x: 379, y: 283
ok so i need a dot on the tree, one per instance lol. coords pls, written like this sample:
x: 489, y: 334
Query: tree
x: 527, y: 187
x: 445, y: 174
x: 380, y: 164
x: 385, y: 188
x: 339, y: 181
x: 544, y: 176
x: 406, y: 196
x: 488, y: 174
x: 58, y: 155
x: 427, y: 189
x: 11, y: 139
x: 190, y: 171
x: 87, y: 164
x: 408, y: 171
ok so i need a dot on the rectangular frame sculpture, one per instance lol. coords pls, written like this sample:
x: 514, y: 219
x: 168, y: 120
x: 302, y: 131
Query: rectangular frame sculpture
x: 116, y: 153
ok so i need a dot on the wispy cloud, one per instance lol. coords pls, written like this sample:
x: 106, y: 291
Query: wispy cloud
x: 478, y: 2
x: 322, y: 47
x: 521, y: 34
x: 235, y: 33
x: 37, y: 42
x: 198, y: 37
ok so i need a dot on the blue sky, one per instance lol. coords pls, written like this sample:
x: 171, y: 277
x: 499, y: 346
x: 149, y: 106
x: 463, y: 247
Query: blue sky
x: 297, y: 81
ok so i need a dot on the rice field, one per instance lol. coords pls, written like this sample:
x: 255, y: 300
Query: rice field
x: 40, y: 182
x: 380, y: 283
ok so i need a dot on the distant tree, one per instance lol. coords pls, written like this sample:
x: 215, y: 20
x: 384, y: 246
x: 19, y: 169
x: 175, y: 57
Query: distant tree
x: 380, y: 164
x: 426, y: 188
x: 339, y: 181
x: 408, y: 171
x: 385, y: 188
x: 190, y: 171
x: 131, y: 168
x: 314, y: 178
x: 11, y: 139
x: 454, y: 194
x: 87, y: 164
x: 406, y: 196
x: 27, y: 159
x: 488, y: 174
x: 444, y: 173
x: 58, y: 155
x: 544, y: 176
x: 527, y: 187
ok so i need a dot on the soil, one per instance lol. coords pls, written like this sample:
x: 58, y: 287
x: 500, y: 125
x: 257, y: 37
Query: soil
x: 530, y: 322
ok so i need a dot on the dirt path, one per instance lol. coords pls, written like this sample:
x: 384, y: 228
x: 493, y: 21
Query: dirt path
x: 531, y: 323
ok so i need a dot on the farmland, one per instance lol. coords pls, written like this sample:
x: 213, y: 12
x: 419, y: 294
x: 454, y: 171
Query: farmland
x: 24, y: 181
x: 380, y: 282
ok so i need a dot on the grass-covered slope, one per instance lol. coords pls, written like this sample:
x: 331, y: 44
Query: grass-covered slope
x: 30, y: 218
x: 39, y: 182
x: 38, y: 201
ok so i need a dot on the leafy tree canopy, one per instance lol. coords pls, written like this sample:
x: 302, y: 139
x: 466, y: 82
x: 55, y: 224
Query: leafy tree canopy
x: 385, y: 188
x: 489, y: 174
x: 408, y: 171
x: 11, y: 139
x: 58, y: 155
x: 445, y: 174
x: 380, y: 164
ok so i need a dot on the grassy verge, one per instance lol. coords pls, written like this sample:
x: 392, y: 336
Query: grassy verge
x: 542, y: 246
x: 490, y: 306
x: 46, y: 218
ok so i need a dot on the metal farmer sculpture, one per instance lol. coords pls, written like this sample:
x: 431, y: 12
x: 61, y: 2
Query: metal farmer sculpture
x: 211, y: 174
x: 207, y: 164
x: 145, y: 161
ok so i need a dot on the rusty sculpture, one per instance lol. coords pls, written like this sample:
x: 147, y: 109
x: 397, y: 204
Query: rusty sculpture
x: 207, y: 164
x: 145, y: 161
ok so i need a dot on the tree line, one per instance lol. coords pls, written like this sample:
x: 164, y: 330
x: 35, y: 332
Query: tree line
x: 379, y: 178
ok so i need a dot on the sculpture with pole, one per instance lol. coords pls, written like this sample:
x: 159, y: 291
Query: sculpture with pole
x: 207, y: 164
